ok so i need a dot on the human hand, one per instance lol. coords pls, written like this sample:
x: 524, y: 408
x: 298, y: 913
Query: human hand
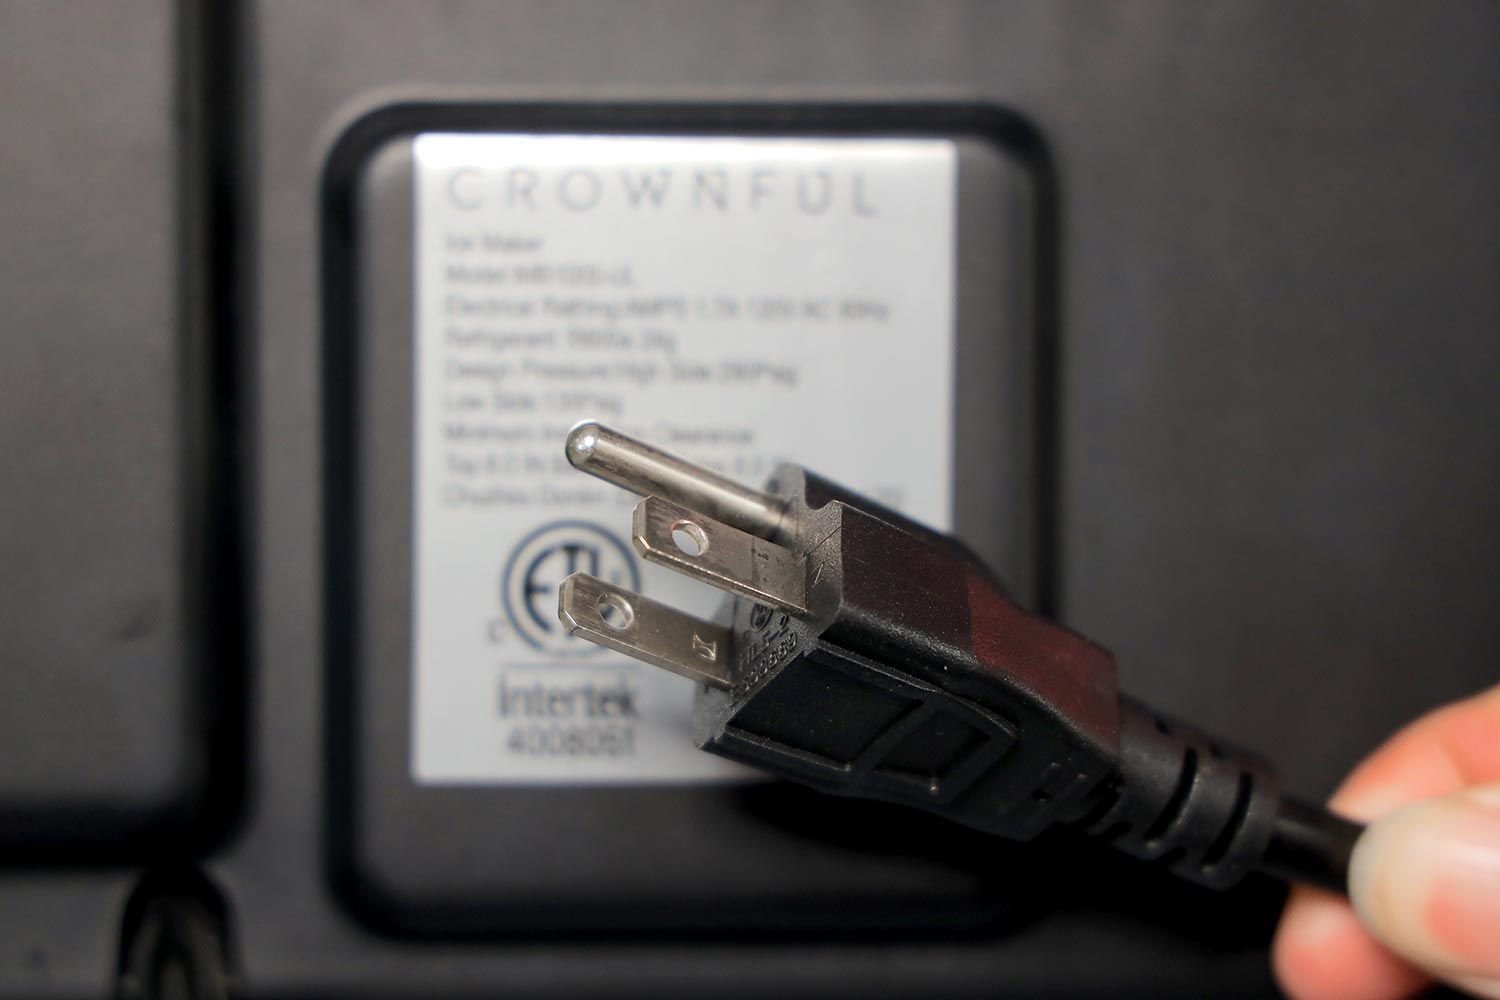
x: 1425, y: 877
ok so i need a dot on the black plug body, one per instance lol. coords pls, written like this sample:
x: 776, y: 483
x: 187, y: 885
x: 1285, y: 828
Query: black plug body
x: 865, y: 654
x: 915, y: 679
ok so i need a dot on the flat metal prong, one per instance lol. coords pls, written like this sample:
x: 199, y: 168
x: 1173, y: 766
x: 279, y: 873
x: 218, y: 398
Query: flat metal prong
x: 645, y: 629
x: 647, y: 471
x: 720, y: 555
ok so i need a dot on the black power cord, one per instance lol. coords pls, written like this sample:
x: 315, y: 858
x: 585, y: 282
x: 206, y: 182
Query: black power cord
x: 864, y: 654
x: 1312, y: 845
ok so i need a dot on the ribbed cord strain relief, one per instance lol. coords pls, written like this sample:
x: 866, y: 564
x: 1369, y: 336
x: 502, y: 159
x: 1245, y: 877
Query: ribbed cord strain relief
x: 1180, y: 799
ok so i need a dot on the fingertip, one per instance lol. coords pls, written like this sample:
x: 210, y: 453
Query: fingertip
x: 1322, y: 952
x: 1426, y: 879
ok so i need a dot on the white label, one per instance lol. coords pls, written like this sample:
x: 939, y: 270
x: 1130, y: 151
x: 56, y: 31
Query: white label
x: 739, y: 301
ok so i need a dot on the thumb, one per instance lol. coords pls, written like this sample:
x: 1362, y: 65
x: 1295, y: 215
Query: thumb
x: 1426, y: 880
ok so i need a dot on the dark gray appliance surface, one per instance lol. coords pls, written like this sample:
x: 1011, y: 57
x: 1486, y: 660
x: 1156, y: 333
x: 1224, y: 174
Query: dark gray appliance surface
x: 105, y: 715
x: 102, y: 711
x: 1270, y: 460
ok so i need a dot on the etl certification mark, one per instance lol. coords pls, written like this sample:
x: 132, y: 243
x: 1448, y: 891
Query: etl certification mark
x: 541, y: 561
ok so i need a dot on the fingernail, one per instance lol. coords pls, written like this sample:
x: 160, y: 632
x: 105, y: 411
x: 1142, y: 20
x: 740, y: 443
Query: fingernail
x: 1426, y: 879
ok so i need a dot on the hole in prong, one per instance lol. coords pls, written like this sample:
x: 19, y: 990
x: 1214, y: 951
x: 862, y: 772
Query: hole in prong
x: 615, y: 612
x: 689, y: 538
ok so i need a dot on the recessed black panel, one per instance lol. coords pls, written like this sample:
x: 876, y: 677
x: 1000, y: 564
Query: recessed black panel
x: 506, y: 859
